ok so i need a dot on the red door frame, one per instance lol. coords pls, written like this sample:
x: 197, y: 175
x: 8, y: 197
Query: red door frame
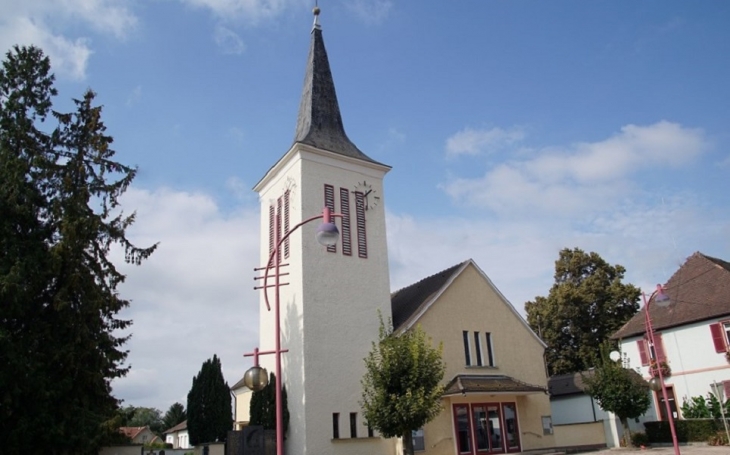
x: 472, y: 428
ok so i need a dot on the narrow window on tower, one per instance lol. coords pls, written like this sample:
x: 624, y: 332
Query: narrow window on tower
x: 362, y: 243
x: 272, y: 221
x: 345, y: 220
x: 278, y: 227
x: 353, y: 424
x: 335, y: 425
x: 467, y: 354
x: 329, y: 202
x: 286, y: 223
x: 478, y: 347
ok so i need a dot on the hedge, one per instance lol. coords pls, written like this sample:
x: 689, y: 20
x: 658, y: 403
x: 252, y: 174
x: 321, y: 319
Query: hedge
x: 694, y: 430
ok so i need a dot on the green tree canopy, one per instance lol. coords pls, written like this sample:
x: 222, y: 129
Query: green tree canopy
x: 175, y: 415
x: 146, y: 417
x: 262, y: 409
x: 209, y: 405
x: 59, y: 218
x: 402, y: 384
x: 619, y: 390
x: 585, y: 306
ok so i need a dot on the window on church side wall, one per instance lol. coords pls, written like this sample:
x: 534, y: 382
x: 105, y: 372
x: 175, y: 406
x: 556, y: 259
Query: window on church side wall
x: 478, y: 347
x: 467, y: 353
x: 329, y: 202
x: 335, y: 425
x: 489, y: 349
x: 345, y: 221
x: 353, y: 424
x: 362, y: 243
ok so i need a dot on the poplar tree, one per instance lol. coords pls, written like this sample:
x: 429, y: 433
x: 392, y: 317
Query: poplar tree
x: 585, y: 306
x: 59, y: 218
x: 402, y: 384
x: 209, y: 405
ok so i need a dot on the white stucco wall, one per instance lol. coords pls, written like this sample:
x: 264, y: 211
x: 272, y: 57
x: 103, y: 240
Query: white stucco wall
x: 329, y: 308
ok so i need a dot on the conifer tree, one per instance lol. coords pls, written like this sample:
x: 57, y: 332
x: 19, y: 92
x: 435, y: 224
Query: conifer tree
x: 262, y: 409
x: 59, y: 218
x: 209, y: 405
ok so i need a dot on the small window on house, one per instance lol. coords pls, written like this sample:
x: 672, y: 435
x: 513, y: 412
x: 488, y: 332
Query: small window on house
x: 335, y: 425
x: 547, y: 425
x: 419, y: 444
x: 478, y: 348
x: 467, y: 354
x: 353, y: 424
x: 490, y: 349
x: 721, y: 336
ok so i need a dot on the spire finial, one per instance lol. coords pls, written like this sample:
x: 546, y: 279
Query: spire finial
x: 316, y: 12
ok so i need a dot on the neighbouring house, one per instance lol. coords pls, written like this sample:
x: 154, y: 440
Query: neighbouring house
x: 692, y: 333
x: 241, y: 405
x: 138, y: 435
x: 496, y: 386
x: 178, y: 436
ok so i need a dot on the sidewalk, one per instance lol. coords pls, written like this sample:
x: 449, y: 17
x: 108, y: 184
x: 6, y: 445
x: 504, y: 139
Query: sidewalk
x: 683, y: 450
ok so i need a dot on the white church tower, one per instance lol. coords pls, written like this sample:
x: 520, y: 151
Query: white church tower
x: 329, y: 305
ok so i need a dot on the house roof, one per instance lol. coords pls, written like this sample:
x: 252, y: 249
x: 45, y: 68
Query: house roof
x: 179, y: 427
x: 463, y: 384
x: 132, y: 432
x: 319, y: 122
x: 698, y: 290
x: 567, y: 384
x: 239, y: 385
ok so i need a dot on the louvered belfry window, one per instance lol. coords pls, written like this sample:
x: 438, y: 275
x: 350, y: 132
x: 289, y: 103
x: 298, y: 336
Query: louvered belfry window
x: 279, y: 203
x: 272, y: 236
x: 362, y: 243
x: 329, y: 202
x: 345, y: 221
x: 286, y: 223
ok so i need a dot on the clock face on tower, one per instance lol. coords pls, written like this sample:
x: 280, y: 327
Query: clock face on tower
x: 370, y: 195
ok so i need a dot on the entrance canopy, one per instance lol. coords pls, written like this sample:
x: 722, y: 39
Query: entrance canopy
x: 466, y: 384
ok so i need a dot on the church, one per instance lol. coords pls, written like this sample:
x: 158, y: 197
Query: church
x: 496, y: 386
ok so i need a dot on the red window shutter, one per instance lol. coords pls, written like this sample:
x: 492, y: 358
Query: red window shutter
x: 346, y: 235
x: 329, y: 201
x: 286, y: 223
x: 718, y: 337
x: 659, y: 348
x: 641, y: 344
x: 362, y: 240
x: 726, y: 386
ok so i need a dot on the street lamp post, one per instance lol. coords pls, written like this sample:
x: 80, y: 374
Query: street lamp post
x: 661, y: 299
x: 255, y: 377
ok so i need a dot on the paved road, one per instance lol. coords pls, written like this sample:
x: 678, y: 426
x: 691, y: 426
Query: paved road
x: 684, y: 450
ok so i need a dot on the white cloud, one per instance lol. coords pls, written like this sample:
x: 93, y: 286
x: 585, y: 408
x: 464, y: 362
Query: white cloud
x: 583, y: 177
x: 42, y: 23
x: 190, y: 299
x: 134, y: 96
x: 251, y: 11
x: 474, y: 142
x: 228, y: 41
x: 371, y: 11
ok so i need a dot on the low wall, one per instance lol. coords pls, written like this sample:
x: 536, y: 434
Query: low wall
x: 137, y: 449
x: 589, y: 434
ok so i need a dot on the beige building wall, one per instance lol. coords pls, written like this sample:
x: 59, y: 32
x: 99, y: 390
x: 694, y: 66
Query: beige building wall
x: 243, y: 406
x: 472, y: 303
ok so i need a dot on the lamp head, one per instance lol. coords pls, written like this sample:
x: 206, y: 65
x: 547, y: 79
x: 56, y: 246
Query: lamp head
x: 655, y: 384
x: 256, y: 378
x: 660, y: 297
x: 327, y: 234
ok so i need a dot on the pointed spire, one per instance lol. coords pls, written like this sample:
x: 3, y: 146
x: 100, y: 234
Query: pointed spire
x: 319, y: 123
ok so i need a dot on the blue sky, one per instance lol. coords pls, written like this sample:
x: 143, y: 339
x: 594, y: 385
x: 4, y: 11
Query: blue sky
x: 514, y: 129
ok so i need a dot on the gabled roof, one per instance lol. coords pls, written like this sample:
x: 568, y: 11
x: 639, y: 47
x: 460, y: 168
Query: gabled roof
x: 239, y: 385
x: 132, y: 432
x: 698, y: 291
x: 179, y: 427
x: 464, y: 384
x: 411, y: 302
x: 567, y: 384
x: 319, y: 123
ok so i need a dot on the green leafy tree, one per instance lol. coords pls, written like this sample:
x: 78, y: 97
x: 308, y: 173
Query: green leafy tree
x: 175, y: 415
x: 585, y: 306
x: 619, y: 390
x: 209, y: 405
x: 59, y: 218
x: 402, y: 383
x: 147, y: 417
x: 262, y: 409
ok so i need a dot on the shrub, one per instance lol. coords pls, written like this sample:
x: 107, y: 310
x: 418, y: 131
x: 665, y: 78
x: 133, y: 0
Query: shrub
x: 696, y: 430
x: 639, y: 439
x: 718, y: 439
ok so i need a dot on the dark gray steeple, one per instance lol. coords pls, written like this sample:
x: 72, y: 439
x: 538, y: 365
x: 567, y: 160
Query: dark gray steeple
x: 319, y: 123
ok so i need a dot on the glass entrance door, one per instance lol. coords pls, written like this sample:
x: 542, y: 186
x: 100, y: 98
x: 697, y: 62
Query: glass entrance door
x: 486, y: 428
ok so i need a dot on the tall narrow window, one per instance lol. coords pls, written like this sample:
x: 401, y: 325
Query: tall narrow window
x: 353, y: 424
x: 362, y: 242
x: 490, y: 349
x: 467, y: 354
x: 272, y: 237
x: 329, y: 202
x: 478, y: 348
x: 335, y: 425
x: 279, y: 211
x: 286, y: 223
x: 345, y: 220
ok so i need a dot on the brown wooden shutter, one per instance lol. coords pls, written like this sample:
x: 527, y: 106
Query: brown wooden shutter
x: 643, y: 352
x: 362, y: 240
x: 329, y: 201
x: 718, y: 337
x: 726, y: 386
x: 659, y: 348
x: 346, y: 234
x: 272, y: 218
x: 286, y: 223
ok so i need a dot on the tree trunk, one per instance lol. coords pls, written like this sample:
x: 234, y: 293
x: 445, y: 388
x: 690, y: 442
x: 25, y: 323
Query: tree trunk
x: 408, y: 442
x: 627, y: 432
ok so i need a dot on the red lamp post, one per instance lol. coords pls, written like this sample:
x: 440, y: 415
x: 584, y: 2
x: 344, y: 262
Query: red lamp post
x: 255, y: 377
x: 661, y: 299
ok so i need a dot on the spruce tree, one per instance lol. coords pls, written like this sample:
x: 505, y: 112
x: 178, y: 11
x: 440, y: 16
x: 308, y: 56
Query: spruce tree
x: 209, y: 405
x: 59, y: 218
